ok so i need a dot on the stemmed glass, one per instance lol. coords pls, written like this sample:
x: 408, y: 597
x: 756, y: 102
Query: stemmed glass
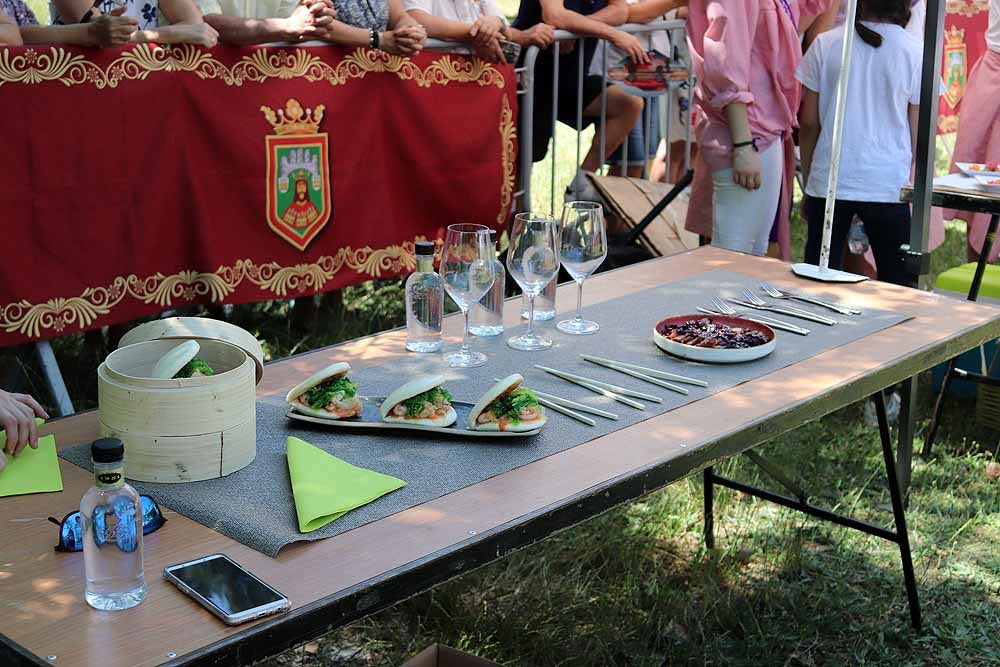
x: 584, y: 247
x: 533, y: 261
x: 467, y: 271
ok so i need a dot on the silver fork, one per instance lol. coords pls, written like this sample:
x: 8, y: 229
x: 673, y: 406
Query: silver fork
x: 751, y: 300
x: 776, y: 293
x: 723, y: 308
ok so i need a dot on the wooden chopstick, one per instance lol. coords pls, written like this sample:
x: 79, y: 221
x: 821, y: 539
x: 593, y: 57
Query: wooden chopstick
x: 587, y: 384
x: 565, y: 402
x: 566, y: 411
x: 636, y: 374
x: 663, y: 375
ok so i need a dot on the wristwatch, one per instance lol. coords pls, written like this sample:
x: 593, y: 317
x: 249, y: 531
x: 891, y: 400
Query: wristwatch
x: 504, y: 26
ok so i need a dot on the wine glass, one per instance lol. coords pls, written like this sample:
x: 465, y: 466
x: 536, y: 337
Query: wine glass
x: 584, y: 247
x: 467, y: 271
x: 533, y: 260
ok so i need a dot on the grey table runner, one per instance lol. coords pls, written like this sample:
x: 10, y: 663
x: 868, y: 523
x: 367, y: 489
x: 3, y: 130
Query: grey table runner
x: 254, y: 506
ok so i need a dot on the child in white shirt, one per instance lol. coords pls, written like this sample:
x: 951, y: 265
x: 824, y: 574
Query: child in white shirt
x: 880, y: 120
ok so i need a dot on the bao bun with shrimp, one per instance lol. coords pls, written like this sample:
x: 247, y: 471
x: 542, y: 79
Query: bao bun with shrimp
x: 327, y: 394
x: 508, y: 406
x: 423, y: 401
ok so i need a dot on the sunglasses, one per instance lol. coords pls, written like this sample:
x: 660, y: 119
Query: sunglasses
x: 71, y: 532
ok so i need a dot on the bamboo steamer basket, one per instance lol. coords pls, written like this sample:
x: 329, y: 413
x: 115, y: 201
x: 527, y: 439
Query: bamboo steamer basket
x: 182, y: 430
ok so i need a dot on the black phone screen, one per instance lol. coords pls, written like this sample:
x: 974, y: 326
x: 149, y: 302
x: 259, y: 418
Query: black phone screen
x: 225, y: 585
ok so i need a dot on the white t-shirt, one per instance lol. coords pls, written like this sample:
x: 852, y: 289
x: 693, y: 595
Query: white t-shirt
x: 466, y: 11
x: 658, y: 40
x: 993, y: 31
x: 875, y: 152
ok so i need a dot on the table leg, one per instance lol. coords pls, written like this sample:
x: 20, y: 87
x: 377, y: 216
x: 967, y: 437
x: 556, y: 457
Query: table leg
x: 898, y: 511
x: 907, y: 425
x: 709, y: 478
x: 53, y: 378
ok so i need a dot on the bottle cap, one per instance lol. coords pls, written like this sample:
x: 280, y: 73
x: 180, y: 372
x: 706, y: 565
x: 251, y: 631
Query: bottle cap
x: 424, y: 248
x: 493, y: 236
x: 107, y: 450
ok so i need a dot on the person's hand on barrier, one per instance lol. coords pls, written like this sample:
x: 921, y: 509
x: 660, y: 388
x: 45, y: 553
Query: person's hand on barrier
x: 631, y: 46
x: 486, y: 29
x: 540, y: 35
x: 17, y: 418
x: 746, y: 167
x: 307, y: 21
x: 200, y: 34
x: 491, y: 52
x: 111, y: 29
x: 405, y: 41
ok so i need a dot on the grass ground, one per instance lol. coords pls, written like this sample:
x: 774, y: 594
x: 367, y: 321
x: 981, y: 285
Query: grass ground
x: 636, y: 587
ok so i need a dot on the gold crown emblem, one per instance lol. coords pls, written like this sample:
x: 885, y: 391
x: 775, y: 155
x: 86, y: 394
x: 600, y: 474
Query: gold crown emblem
x: 293, y: 119
x: 954, y: 36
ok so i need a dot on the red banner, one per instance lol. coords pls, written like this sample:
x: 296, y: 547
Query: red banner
x: 147, y: 178
x: 964, y: 44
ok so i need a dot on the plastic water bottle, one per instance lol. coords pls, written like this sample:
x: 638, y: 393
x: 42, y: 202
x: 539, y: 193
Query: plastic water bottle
x: 111, y: 517
x: 545, y: 303
x: 857, y: 238
x: 486, y: 318
x: 424, y: 303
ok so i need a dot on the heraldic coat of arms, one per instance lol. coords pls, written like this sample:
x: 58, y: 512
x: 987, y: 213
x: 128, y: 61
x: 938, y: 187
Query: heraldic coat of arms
x: 298, y: 173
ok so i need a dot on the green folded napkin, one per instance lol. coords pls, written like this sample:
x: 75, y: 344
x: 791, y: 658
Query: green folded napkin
x: 33, y: 470
x: 326, y: 488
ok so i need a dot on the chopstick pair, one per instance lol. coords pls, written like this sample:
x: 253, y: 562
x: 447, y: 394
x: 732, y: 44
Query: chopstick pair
x: 650, y: 375
x: 611, y: 391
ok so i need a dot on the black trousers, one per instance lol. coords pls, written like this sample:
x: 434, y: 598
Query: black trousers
x: 886, y: 223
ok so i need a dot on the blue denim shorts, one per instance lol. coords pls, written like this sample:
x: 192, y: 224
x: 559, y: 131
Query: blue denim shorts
x: 635, y: 137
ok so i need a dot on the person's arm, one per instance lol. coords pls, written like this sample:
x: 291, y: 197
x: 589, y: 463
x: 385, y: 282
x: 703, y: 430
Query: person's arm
x: 822, y: 23
x: 648, y: 10
x: 309, y: 20
x: 442, y: 28
x: 18, y: 411
x: 809, y: 129
x: 186, y: 26
x: 913, y: 115
x: 9, y: 34
x: 614, y: 13
x: 540, y: 35
x: 557, y: 16
x: 104, y: 31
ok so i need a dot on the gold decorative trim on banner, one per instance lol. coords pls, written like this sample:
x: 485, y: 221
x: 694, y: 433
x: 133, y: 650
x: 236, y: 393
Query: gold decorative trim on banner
x: 60, y: 313
x: 38, y: 65
x: 508, y: 143
x: 966, y: 8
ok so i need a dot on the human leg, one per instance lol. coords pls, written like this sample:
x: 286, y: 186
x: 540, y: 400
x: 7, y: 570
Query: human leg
x: 741, y: 218
x: 888, y: 227
x: 623, y: 110
x: 814, y: 211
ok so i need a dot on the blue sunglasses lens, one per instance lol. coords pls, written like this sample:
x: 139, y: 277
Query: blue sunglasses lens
x: 71, y: 532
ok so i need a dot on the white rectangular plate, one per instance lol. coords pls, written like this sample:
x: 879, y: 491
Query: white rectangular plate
x: 370, y: 419
x: 966, y: 168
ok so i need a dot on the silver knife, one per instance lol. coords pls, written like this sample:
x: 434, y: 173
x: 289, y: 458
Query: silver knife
x: 801, y: 314
x: 843, y: 310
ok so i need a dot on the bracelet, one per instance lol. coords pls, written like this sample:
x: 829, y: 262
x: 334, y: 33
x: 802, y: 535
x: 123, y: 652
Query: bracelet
x: 741, y: 144
x: 373, y: 39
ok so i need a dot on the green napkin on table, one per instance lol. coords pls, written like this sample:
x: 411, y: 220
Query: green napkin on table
x: 33, y: 470
x: 326, y: 488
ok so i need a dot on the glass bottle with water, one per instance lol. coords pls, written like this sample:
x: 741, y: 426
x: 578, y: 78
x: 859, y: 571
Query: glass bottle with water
x: 545, y: 302
x: 111, y: 517
x: 857, y: 238
x: 424, y: 303
x: 487, y: 315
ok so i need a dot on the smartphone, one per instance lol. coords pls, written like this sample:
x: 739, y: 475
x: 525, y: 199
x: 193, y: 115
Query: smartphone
x: 227, y: 590
x: 511, y: 51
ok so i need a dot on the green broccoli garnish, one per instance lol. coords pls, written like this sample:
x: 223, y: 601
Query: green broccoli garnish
x: 509, y: 405
x: 321, y: 395
x: 415, y: 405
x: 195, y: 366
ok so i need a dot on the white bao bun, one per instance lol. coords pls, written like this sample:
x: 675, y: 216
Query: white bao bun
x: 305, y: 409
x: 329, y: 373
x: 173, y: 361
x: 448, y: 419
x: 509, y: 383
x: 409, y: 390
x: 523, y: 427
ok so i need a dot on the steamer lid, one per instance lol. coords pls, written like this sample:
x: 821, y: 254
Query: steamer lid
x: 198, y: 327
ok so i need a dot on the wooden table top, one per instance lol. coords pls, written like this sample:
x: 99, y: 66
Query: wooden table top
x: 335, y: 580
x: 948, y: 194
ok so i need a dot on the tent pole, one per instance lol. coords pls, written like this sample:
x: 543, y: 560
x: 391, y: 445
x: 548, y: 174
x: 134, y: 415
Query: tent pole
x: 915, y: 254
